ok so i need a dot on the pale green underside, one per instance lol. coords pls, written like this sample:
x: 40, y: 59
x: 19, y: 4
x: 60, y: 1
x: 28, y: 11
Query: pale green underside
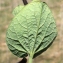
x: 32, y: 29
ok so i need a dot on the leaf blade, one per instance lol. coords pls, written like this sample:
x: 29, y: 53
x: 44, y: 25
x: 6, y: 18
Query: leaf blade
x: 33, y: 28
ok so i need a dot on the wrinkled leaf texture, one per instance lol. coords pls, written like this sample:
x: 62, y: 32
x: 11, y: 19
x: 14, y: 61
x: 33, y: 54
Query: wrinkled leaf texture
x: 32, y: 29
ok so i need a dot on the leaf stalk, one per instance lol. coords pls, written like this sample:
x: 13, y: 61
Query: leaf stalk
x: 30, y: 60
x: 25, y: 2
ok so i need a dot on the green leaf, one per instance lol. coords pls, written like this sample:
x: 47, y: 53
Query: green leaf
x: 17, y: 10
x: 32, y: 29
